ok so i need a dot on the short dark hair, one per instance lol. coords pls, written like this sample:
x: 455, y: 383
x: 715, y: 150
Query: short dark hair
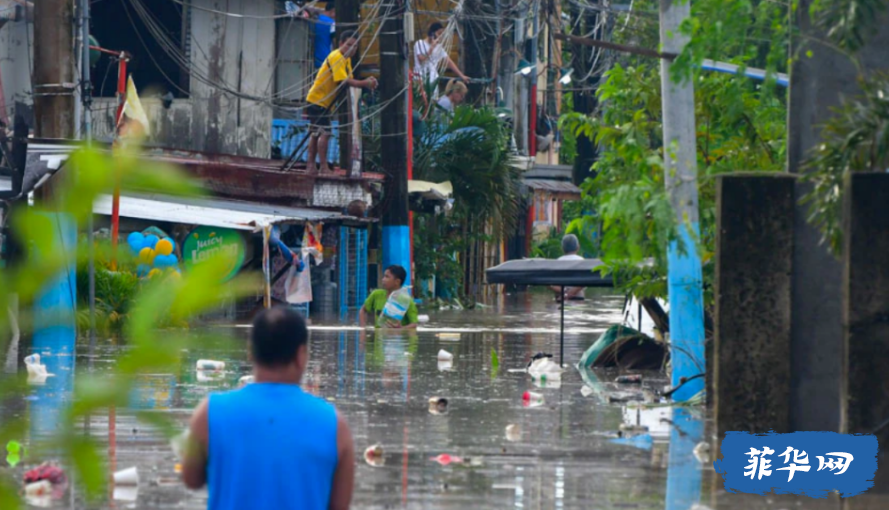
x: 434, y: 27
x: 331, y: 5
x: 398, y: 272
x: 277, y: 334
x: 347, y: 34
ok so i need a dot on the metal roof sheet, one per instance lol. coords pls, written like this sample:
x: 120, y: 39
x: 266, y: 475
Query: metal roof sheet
x: 210, y: 212
x: 552, y: 186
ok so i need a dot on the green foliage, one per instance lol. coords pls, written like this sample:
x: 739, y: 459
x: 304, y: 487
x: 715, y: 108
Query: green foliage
x: 471, y: 150
x: 847, y: 22
x: 549, y: 248
x: 89, y: 174
x: 856, y: 139
x: 495, y: 362
x: 740, y: 127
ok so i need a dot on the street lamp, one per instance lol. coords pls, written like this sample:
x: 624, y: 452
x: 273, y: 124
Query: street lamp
x: 525, y: 67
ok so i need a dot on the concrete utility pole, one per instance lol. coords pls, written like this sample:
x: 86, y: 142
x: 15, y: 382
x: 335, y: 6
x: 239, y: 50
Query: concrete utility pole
x: 347, y: 14
x: 54, y: 77
x: 86, y: 93
x: 680, y: 165
x: 393, y: 124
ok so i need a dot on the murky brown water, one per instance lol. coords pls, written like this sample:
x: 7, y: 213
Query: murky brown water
x: 562, y: 457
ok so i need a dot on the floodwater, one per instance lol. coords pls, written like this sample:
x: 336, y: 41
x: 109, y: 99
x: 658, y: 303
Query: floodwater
x: 561, y: 455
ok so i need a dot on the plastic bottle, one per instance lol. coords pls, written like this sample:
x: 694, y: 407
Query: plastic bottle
x: 396, y: 306
x: 531, y: 399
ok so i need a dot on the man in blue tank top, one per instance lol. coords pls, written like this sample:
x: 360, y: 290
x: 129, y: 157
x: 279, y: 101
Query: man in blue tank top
x: 270, y: 445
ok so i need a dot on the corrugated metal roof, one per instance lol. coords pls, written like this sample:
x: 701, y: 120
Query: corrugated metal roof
x: 552, y: 186
x: 209, y: 212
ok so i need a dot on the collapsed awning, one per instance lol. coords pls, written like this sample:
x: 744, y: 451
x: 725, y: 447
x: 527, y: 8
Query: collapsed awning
x: 211, y: 212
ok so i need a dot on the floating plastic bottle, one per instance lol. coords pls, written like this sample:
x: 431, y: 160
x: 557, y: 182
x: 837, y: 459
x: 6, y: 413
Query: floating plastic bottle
x: 531, y: 399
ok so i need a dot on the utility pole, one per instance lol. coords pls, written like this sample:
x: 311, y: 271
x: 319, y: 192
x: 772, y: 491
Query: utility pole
x: 680, y: 167
x: 54, y: 77
x: 393, y: 124
x: 86, y: 93
x: 347, y: 14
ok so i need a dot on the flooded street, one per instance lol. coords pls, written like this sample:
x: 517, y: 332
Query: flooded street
x: 562, y: 454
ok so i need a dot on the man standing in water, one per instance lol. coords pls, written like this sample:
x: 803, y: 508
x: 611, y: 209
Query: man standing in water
x: 393, y: 279
x: 334, y: 72
x: 270, y: 445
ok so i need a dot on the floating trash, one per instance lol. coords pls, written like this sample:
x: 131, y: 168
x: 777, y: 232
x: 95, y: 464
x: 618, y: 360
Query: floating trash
x: 247, y: 379
x: 49, y: 471
x: 448, y: 336
x: 513, y: 432
x: 544, y: 369
x: 629, y: 379
x: 128, y: 476
x: 445, y: 366
x: 373, y: 455
x: 37, y: 373
x: 531, y: 399
x: 446, y: 459
x: 444, y: 355
x: 422, y: 319
x: 210, y: 365
x: 702, y: 452
x: 126, y: 493
x: 438, y: 405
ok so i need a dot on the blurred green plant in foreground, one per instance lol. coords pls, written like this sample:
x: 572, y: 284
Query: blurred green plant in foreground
x: 148, y: 307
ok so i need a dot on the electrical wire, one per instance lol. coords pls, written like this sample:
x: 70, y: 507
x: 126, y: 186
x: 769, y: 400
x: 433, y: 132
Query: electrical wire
x: 200, y: 75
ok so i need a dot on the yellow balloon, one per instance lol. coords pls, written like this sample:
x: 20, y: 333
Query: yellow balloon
x: 163, y: 247
x: 146, y: 256
x: 154, y: 272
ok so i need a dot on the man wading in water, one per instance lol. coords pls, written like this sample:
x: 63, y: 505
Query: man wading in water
x: 270, y: 445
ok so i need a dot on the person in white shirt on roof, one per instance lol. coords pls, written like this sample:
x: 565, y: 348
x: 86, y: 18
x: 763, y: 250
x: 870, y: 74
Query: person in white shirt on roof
x: 428, y: 55
x: 571, y: 247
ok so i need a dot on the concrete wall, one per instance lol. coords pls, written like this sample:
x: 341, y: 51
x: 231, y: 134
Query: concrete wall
x: 817, y: 83
x: 16, y: 39
x: 237, y: 54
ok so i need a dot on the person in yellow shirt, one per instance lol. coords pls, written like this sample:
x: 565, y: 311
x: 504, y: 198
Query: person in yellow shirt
x: 334, y: 72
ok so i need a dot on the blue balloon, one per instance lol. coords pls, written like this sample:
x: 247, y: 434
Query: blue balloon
x: 142, y: 270
x: 165, y: 261
x: 150, y: 241
x: 136, y: 241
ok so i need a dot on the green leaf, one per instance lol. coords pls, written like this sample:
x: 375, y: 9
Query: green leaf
x: 495, y: 361
x: 89, y: 465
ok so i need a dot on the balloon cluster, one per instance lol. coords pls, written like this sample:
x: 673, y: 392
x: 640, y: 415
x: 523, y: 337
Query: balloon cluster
x: 156, y: 255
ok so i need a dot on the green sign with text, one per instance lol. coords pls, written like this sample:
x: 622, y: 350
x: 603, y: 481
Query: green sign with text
x: 204, y: 243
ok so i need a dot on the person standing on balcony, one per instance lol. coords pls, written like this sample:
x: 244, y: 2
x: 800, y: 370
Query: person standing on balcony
x: 428, y: 55
x: 334, y: 72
